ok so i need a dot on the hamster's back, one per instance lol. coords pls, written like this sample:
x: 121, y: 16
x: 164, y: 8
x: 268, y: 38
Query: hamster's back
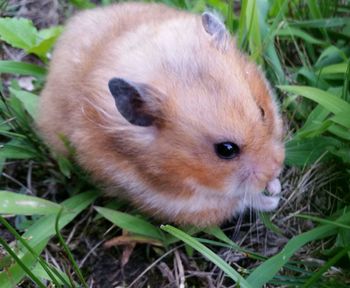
x: 84, y: 41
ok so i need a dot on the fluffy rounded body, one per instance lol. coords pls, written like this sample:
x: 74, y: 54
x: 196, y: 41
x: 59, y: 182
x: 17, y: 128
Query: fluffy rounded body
x: 202, y: 91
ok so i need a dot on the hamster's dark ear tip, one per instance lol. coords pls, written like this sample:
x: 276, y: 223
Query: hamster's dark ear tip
x: 215, y: 27
x: 130, y: 102
x: 212, y: 24
x: 115, y: 84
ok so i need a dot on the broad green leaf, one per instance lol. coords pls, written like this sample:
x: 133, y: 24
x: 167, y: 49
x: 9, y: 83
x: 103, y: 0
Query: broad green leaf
x: 314, y: 9
x: 130, y: 223
x: 12, y: 275
x: 41, y: 273
x: 21, y: 33
x: 254, y: 22
x: 312, y: 78
x: 342, y: 118
x: 320, y: 23
x: 18, y: 32
x: 315, y: 119
x: 22, y: 68
x: 343, y: 154
x: 39, y: 234
x: 19, y: 204
x: 45, y: 227
x: 209, y: 254
x: 82, y: 4
x: 45, y: 40
x: 340, y: 131
x: 16, y: 151
x: 65, y: 165
x: 303, y: 152
x: 329, y: 56
x: 315, y: 13
x: 17, y: 111
x: 316, y: 130
x: 339, y: 68
x: 5, y: 261
x: 23, y: 242
x: 221, y: 6
x: 29, y: 100
x: 267, y: 270
x: 329, y: 101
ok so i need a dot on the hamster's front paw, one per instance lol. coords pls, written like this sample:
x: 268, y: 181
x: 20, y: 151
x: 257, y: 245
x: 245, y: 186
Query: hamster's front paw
x: 266, y: 203
x: 274, y: 187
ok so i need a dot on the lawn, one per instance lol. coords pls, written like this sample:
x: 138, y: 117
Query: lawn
x: 55, y: 223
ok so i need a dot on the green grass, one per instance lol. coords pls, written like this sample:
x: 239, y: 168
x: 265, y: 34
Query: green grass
x: 303, y: 46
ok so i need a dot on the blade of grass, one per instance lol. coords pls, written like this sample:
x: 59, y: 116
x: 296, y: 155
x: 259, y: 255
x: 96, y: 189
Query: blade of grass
x: 45, y: 226
x: 29, y: 100
x: 131, y: 223
x: 67, y: 250
x: 18, y: 32
x: 295, y: 32
x: 339, y: 68
x: 321, y: 23
x: 345, y: 92
x: 30, y: 249
x: 329, y: 101
x: 254, y: 34
x: 209, y: 254
x: 40, y: 272
x: 301, y: 152
x: 219, y: 234
x: 265, y: 218
x: 316, y: 14
x: 22, y: 68
x: 21, y: 264
x: 323, y: 221
x: 266, y: 271
x: 12, y: 275
x: 317, y: 275
x: 41, y: 231
x: 10, y: 151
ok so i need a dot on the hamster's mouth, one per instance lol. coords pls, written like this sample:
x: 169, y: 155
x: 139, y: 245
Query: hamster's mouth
x: 273, y: 187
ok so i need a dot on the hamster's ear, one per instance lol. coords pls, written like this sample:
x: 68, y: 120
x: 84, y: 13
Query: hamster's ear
x: 215, y: 28
x: 130, y: 101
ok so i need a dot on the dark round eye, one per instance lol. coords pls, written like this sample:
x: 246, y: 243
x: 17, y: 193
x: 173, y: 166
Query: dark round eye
x: 226, y: 150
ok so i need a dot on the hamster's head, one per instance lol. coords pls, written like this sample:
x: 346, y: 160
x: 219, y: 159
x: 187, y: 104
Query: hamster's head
x: 205, y: 134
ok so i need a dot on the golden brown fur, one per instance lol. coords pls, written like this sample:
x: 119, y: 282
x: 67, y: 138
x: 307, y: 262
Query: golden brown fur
x: 202, y: 95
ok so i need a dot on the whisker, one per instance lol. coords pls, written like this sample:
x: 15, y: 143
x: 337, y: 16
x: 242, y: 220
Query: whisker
x: 237, y: 227
x: 257, y: 226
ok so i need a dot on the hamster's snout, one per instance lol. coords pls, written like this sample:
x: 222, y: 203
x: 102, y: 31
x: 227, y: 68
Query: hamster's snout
x: 264, y: 171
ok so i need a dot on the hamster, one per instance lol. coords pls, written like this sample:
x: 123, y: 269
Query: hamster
x: 163, y: 109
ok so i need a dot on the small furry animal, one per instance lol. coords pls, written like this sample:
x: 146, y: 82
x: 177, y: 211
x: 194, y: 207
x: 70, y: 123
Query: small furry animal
x: 162, y: 108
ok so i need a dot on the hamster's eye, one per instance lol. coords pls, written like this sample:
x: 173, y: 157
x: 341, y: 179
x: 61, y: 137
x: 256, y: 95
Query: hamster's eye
x: 226, y: 150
